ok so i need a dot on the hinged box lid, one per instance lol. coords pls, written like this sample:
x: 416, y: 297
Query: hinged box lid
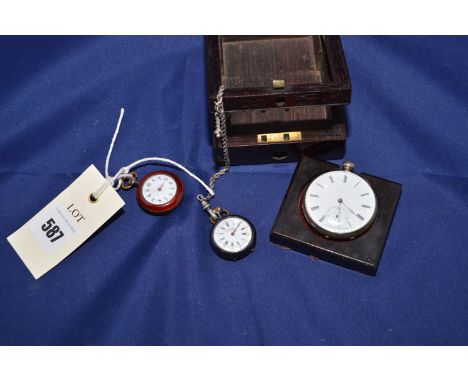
x: 262, y: 72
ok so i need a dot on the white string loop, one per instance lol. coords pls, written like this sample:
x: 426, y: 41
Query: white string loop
x: 116, y: 180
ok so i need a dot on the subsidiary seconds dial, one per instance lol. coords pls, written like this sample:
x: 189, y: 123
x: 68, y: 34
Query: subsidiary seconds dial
x: 340, y: 204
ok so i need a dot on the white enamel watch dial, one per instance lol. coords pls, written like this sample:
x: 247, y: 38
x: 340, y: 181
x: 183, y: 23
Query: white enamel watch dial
x: 233, y: 237
x: 160, y: 192
x: 340, y: 204
x: 159, y: 189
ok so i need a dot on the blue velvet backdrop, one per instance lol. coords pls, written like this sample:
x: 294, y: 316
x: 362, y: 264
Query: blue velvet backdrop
x: 155, y: 280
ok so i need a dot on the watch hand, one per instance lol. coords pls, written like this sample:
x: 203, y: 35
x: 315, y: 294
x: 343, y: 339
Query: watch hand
x: 349, y: 209
x: 161, y: 186
x: 339, y: 208
x: 235, y: 229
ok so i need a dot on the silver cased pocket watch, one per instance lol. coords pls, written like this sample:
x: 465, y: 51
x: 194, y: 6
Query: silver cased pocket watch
x: 233, y: 237
x: 340, y: 204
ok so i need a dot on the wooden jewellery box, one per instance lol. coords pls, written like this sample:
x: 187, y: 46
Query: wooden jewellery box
x: 283, y: 95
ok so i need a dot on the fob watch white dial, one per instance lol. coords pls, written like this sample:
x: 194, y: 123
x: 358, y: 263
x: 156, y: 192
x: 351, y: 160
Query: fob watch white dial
x: 160, y: 192
x: 233, y: 237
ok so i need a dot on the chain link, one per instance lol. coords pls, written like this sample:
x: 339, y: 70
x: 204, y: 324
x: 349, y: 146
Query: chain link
x: 220, y: 133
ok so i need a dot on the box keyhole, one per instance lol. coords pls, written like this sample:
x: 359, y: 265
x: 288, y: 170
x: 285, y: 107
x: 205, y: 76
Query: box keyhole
x: 280, y: 101
x: 279, y: 155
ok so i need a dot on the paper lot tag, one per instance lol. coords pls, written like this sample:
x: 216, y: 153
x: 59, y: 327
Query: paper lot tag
x: 65, y: 223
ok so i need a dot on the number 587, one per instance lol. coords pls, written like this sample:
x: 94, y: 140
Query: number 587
x: 51, y: 229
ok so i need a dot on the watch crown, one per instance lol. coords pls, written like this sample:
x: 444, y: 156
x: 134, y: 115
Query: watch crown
x: 347, y: 165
